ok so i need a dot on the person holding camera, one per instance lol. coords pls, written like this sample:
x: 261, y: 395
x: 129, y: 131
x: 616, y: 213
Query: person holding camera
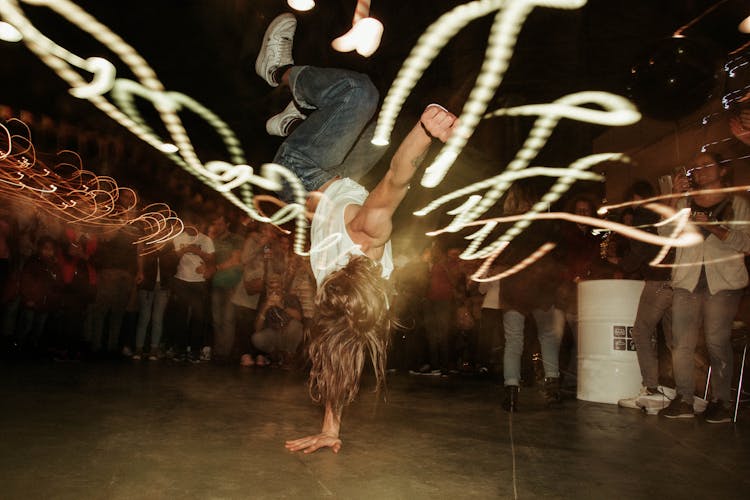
x: 708, y: 281
x: 278, y: 326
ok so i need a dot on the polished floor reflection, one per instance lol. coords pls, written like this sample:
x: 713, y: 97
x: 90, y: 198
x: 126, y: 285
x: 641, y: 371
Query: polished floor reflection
x: 167, y: 430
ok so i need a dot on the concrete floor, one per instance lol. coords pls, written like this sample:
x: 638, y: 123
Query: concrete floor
x: 166, y: 430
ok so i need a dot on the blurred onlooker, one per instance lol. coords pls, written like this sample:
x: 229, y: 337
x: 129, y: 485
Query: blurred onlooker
x: 157, y: 270
x: 445, y: 287
x: 40, y: 289
x: 278, y: 327
x: 531, y: 291
x: 228, y: 273
x: 654, y: 306
x: 247, y: 292
x: 708, y: 280
x: 186, y: 312
x: 116, y: 263
x: 79, y: 288
x: 581, y: 253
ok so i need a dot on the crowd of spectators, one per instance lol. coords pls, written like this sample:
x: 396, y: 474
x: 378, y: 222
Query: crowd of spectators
x: 231, y: 290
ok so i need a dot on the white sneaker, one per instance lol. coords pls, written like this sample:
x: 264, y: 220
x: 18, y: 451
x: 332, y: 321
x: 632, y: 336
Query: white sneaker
x: 279, y: 124
x: 276, y: 49
x: 653, y: 403
x: 631, y: 402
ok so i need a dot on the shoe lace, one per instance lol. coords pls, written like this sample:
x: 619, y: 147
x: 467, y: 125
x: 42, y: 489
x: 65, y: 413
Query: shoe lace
x: 282, y: 45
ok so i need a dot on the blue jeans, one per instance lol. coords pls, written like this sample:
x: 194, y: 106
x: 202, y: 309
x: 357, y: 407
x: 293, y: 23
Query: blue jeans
x: 152, y: 305
x: 717, y: 313
x: 333, y: 140
x: 655, y: 305
x: 549, y: 324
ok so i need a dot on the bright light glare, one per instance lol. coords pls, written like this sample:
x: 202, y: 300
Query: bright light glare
x: 8, y: 33
x: 364, y: 37
x: 301, y: 5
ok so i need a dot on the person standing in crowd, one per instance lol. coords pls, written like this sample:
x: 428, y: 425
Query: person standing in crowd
x: 654, y: 306
x: 446, y: 287
x: 186, y: 313
x: 708, y: 281
x: 227, y: 275
x: 40, y: 288
x: 247, y: 292
x: 581, y: 250
x: 157, y: 269
x: 532, y: 291
x: 79, y: 289
x: 116, y: 262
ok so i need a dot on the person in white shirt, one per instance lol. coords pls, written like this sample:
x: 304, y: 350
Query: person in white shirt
x: 188, y: 312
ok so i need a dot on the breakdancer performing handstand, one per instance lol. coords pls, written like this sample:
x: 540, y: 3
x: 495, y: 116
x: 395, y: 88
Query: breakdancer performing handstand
x: 329, y: 150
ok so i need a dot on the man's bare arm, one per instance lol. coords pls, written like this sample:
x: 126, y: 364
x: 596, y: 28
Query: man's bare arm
x: 328, y: 437
x: 374, y: 217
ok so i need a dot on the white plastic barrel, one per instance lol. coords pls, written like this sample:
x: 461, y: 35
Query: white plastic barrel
x: 607, y: 363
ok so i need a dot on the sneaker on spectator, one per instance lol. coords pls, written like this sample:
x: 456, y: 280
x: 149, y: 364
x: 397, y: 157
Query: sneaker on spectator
x: 154, y: 354
x: 127, y: 352
x: 276, y: 49
x: 262, y: 361
x: 656, y: 400
x: 137, y: 356
x: 717, y: 413
x: 281, y: 123
x: 678, y: 409
x: 205, y: 353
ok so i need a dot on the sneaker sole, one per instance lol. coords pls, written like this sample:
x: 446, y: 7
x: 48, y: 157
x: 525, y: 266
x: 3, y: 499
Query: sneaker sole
x: 720, y: 421
x: 280, y: 20
x: 684, y: 415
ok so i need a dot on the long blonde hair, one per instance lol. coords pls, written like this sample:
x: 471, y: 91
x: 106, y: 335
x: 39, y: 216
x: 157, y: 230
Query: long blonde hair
x: 350, y: 324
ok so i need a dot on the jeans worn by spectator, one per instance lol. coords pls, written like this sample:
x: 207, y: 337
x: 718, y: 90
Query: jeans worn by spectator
x: 152, y: 305
x: 550, y: 324
x: 655, y: 305
x: 718, y: 312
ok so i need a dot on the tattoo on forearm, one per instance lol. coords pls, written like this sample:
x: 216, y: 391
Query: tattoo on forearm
x: 416, y: 162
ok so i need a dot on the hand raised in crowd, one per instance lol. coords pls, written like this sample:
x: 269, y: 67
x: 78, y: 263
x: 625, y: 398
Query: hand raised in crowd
x: 680, y: 183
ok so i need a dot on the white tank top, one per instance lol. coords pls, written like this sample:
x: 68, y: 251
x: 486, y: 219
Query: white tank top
x: 331, y: 245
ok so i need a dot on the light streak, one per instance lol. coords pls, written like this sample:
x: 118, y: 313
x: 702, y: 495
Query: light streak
x: 508, y: 22
x: 684, y: 234
x: 179, y: 148
x: 74, y: 195
x: 230, y: 177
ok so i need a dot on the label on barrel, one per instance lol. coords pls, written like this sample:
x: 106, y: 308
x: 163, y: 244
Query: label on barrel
x: 622, y: 338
